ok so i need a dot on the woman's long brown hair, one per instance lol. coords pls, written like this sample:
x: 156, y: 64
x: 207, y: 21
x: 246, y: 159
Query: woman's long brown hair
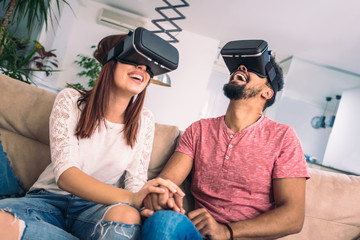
x: 94, y: 103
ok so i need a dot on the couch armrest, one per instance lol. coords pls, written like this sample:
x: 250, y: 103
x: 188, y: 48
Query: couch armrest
x: 332, y: 209
x: 165, y: 141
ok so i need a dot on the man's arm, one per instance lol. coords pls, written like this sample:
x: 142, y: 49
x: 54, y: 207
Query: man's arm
x: 176, y: 170
x: 287, y: 218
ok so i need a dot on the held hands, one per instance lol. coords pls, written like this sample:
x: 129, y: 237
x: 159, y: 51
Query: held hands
x: 164, y: 194
x: 207, y: 225
x: 157, y: 186
x: 166, y: 200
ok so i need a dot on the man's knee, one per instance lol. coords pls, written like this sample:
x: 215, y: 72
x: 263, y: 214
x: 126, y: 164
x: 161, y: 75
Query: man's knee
x: 123, y: 213
x: 167, y: 224
x: 164, y: 219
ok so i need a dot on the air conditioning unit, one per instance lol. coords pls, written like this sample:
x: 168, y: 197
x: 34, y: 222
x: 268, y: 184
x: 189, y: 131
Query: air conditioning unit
x: 118, y: 21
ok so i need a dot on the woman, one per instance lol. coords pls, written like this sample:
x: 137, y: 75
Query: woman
x: 96, y: 137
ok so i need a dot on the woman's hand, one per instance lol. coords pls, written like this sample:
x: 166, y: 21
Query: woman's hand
x: 156, y: 185
x: 167, y: 200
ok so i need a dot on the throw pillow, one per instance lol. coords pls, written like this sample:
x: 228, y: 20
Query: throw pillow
x: 10, y: 186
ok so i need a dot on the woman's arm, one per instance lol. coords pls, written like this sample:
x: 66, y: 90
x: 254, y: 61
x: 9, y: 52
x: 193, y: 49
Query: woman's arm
x: 75, y: 181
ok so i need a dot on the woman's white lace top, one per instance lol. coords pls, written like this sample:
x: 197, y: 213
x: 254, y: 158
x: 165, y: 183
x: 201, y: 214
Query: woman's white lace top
x: 104, y: 156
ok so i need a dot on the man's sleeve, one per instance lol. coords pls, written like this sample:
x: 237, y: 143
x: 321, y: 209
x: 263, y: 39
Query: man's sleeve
x: 291, y: 161
x: 187, y: 141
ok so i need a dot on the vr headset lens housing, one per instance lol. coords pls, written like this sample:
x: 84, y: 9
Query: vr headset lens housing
x: 253, y: 54
x: 143, y: 47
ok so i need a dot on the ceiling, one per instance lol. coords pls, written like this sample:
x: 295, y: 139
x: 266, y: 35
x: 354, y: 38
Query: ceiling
x: 326, y: 32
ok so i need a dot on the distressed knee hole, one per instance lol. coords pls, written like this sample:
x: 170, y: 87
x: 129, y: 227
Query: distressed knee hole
x: 123, y: 213
x: 10, y: 219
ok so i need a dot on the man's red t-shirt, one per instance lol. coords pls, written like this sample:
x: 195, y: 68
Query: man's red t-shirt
x: 233, y: 172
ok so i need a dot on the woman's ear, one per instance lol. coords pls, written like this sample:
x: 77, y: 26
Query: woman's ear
x: 267, y: 93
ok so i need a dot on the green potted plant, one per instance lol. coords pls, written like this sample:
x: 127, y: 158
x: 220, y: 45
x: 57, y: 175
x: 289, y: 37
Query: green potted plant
x: 90, y: 70
x: 19, y: 54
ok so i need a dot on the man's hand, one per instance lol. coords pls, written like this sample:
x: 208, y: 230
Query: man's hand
x: 155, y: 186
x: 168, y: 199
x: 176, y: 169
x: 207, y: 225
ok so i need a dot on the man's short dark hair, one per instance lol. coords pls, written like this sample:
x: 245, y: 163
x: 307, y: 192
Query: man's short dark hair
x: 279, y: 80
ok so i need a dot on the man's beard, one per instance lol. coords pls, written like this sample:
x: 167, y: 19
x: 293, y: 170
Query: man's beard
x: 235, y: 91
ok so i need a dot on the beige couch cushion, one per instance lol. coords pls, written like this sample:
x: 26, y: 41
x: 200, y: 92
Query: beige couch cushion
x: 25, y: 109
x: 28, y: 157
x: 165, y: 141
x: 332, y: 207
x: 24, y: 127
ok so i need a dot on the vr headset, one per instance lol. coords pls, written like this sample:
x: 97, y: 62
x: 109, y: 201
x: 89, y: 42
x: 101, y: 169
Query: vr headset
x: 254, y: 55
x: 143, y: 47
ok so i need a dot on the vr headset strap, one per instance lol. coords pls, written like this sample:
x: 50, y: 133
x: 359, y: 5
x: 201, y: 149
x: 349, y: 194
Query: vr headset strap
x: 271, y: 74
x: 115, y: 51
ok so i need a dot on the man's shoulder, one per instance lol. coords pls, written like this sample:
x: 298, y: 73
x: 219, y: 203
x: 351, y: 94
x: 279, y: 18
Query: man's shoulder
x: 273, y: 124
x: 207, y: 122
x: 213, y: 120
x: 277, y: 128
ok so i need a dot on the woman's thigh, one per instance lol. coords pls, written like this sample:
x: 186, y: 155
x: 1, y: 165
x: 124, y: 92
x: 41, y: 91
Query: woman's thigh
x: 40, y: 217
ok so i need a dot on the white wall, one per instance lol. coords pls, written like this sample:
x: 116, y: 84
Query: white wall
x: 181, y: 104
x: 178, y: 105
x: 306, y: 87
x: 343, y: 150
x: 298, y: 114
x: 215, y: 102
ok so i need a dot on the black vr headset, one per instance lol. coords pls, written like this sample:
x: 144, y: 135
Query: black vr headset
x: 143, y: 47
x: 254, y: 55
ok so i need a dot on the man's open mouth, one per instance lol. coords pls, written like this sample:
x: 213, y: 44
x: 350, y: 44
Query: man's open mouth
x: 240, y: 76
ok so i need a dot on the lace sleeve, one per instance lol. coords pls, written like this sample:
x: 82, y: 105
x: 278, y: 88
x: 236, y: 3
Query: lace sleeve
x: 136, y: 174
x: 63, y: 142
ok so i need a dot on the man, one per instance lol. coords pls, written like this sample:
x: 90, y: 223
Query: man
x: 249, y: 172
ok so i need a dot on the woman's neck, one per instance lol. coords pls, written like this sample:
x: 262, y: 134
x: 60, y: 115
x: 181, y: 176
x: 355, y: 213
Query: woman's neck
x: 116, y: 108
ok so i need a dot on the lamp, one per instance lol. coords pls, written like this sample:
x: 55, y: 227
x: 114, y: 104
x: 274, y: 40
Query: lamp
x: 330, y: 123
x: 163, y: 80
x: 319, y: 121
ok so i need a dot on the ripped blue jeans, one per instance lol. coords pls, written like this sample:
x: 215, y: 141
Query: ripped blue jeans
x: 55, y: 216
x: 169, y: 225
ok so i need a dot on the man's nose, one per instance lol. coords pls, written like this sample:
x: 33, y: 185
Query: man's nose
x: 242, y: 68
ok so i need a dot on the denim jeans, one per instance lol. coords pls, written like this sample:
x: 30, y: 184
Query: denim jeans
x: 58, y: 217
x: 168, y: 224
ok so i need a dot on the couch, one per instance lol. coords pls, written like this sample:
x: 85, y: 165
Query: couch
x: 332, y: 199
